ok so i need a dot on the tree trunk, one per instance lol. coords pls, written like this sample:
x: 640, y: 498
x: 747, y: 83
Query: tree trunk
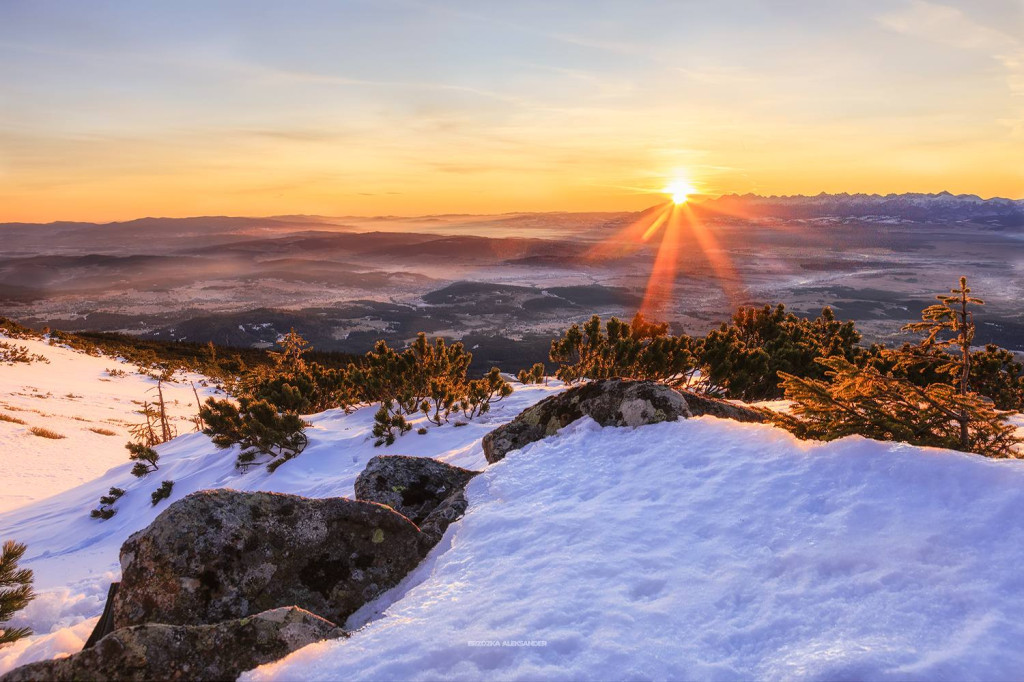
x: 965, y: 368
x: 165, y: 427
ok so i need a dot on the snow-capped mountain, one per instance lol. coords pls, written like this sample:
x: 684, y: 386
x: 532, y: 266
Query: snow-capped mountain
x: 943, y: 207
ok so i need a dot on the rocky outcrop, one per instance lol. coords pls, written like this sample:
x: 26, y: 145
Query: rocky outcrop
x: 430, y: 493
x: 183, y: 652
x: 611, y: 402
x: 222, y: 554
x: 701, y: 405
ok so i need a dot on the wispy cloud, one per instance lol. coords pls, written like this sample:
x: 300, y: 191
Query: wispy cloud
x: 953, y: 27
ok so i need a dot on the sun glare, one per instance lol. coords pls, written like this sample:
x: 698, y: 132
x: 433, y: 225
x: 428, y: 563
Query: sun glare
x: 680, y: 190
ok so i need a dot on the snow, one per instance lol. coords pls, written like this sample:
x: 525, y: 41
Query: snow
x: 70, y: 395
x: 75, y: 557
x: 698, y: 549
x: 708, y: 549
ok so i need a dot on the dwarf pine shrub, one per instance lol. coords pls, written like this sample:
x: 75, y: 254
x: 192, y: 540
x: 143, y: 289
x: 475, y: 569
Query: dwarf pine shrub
x: 15, y: 590
x: 106, y: 509
x: 162, y: 493
x: 145, y: 459
x: 923, y: 394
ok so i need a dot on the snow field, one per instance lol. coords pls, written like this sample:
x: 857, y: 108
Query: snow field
x: 71, y: 396
x: 75, y: 557
x: 700, y: 549
x: 713, y: 550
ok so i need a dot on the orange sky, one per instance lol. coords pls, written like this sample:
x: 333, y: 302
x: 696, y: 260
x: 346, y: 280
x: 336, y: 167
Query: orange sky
x: 117, y: 111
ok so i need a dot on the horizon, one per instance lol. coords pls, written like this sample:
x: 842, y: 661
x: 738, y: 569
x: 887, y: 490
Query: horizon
x: 693, y: 200
x: 405, y: 108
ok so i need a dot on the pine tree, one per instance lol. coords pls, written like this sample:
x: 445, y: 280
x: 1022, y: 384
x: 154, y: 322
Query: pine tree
x: 636, y: 350
x: 996, y: 374
x: 15, y: 590
x: 952, y: 314
x: 386, y: 424
x: 106, y: 509
x: 854, y: 400
x: 916, y: 394
x: 258, y: 427
x: 427, y: 378
x: 534, y: 375
x: 743, y: 359
x: 145, y: 459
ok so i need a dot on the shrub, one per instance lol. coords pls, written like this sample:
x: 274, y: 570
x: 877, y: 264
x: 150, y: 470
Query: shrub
x: 426, y: 378
x: 481, y: 392
x: 15, y: 590
x: 387, y: 426
x: 916, y: 394
x: 292, y: 384
x: 45, y: 433
x: 106, y: 509
x: 163, y: 492
x: 9, y: 418
x: 258, y: 427
x: 861, y: 400
x: 12, y: 329
x: 637, y: 350
x: 145, y: 458
x: 11, y: 353
x: 534, y: 375
x: 266, y: 419
x: 102, y: 431
x: 743, y: 359
x: 996, y: 374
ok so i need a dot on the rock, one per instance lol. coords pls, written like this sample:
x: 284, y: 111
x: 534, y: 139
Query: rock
x: 186, y: 652
x: 105, y: 625
x: 611, y: 402
x: 222, y: 554
x: 449, y: 511
x: 701, y: 405
x: 428, y: 492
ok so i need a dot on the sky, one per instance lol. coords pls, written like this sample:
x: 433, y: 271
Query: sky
x: 118, y: 110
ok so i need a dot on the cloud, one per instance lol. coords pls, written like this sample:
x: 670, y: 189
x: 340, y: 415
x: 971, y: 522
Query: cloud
x: 953, y: 27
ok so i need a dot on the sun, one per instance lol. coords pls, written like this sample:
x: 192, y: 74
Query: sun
x: 680, y: 190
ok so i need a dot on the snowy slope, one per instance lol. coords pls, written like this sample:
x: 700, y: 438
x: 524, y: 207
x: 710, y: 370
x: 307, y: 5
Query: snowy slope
x: 707, y: 549
x: 700, y: 549
x: 72, y: 395
x: 75, y: 557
